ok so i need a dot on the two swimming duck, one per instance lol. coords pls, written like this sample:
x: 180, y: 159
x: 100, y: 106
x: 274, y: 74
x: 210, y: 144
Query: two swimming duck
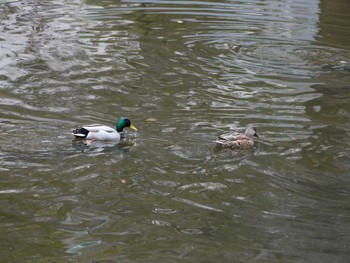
x: 234, y: 141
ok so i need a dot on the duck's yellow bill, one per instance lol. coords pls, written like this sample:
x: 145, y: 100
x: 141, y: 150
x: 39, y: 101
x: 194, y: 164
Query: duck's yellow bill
x: 133, y: 127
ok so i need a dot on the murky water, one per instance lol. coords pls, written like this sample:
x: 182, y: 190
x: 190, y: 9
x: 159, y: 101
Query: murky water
x: 184, y: 72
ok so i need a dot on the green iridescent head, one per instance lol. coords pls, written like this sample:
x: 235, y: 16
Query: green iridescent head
x: 124, y: 123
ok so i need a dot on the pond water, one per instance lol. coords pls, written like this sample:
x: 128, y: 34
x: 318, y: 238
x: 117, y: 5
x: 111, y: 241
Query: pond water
x: 184, y: 72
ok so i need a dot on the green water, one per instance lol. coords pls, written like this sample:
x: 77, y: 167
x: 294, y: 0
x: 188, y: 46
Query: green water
x: 184, y: 72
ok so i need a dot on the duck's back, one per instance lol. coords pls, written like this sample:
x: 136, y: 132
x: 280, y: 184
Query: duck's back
x: 232, y: 136
x: 235, y: 141
x: 98, y: 132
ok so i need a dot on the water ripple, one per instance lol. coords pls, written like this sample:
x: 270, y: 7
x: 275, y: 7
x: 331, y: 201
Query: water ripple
x: 199, y: 205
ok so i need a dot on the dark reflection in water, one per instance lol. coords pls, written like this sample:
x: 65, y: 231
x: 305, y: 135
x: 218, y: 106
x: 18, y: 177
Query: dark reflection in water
x: 184, y: 72
x: 333, y: 29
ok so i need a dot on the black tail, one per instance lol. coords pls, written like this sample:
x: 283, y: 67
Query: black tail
x: 81, y: 133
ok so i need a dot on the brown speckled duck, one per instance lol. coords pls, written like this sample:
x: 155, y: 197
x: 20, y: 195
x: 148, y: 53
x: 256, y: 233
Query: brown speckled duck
x: 237, y: 141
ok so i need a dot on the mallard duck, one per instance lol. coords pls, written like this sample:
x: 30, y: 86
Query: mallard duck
x: 102, y: 132
x: 237, y: 140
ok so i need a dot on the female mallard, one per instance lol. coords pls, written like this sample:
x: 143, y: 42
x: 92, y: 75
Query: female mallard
x: 103, y: 133
x: 237, y: 141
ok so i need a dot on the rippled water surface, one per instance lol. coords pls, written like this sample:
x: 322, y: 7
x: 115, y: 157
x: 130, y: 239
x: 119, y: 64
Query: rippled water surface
x: 184, y: 72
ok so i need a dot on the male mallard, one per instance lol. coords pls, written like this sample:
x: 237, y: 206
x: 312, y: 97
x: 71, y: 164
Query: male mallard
x: 103, y: 133
x: 237, y: 141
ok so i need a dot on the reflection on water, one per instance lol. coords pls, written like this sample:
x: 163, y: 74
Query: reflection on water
x: 184, y: 72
